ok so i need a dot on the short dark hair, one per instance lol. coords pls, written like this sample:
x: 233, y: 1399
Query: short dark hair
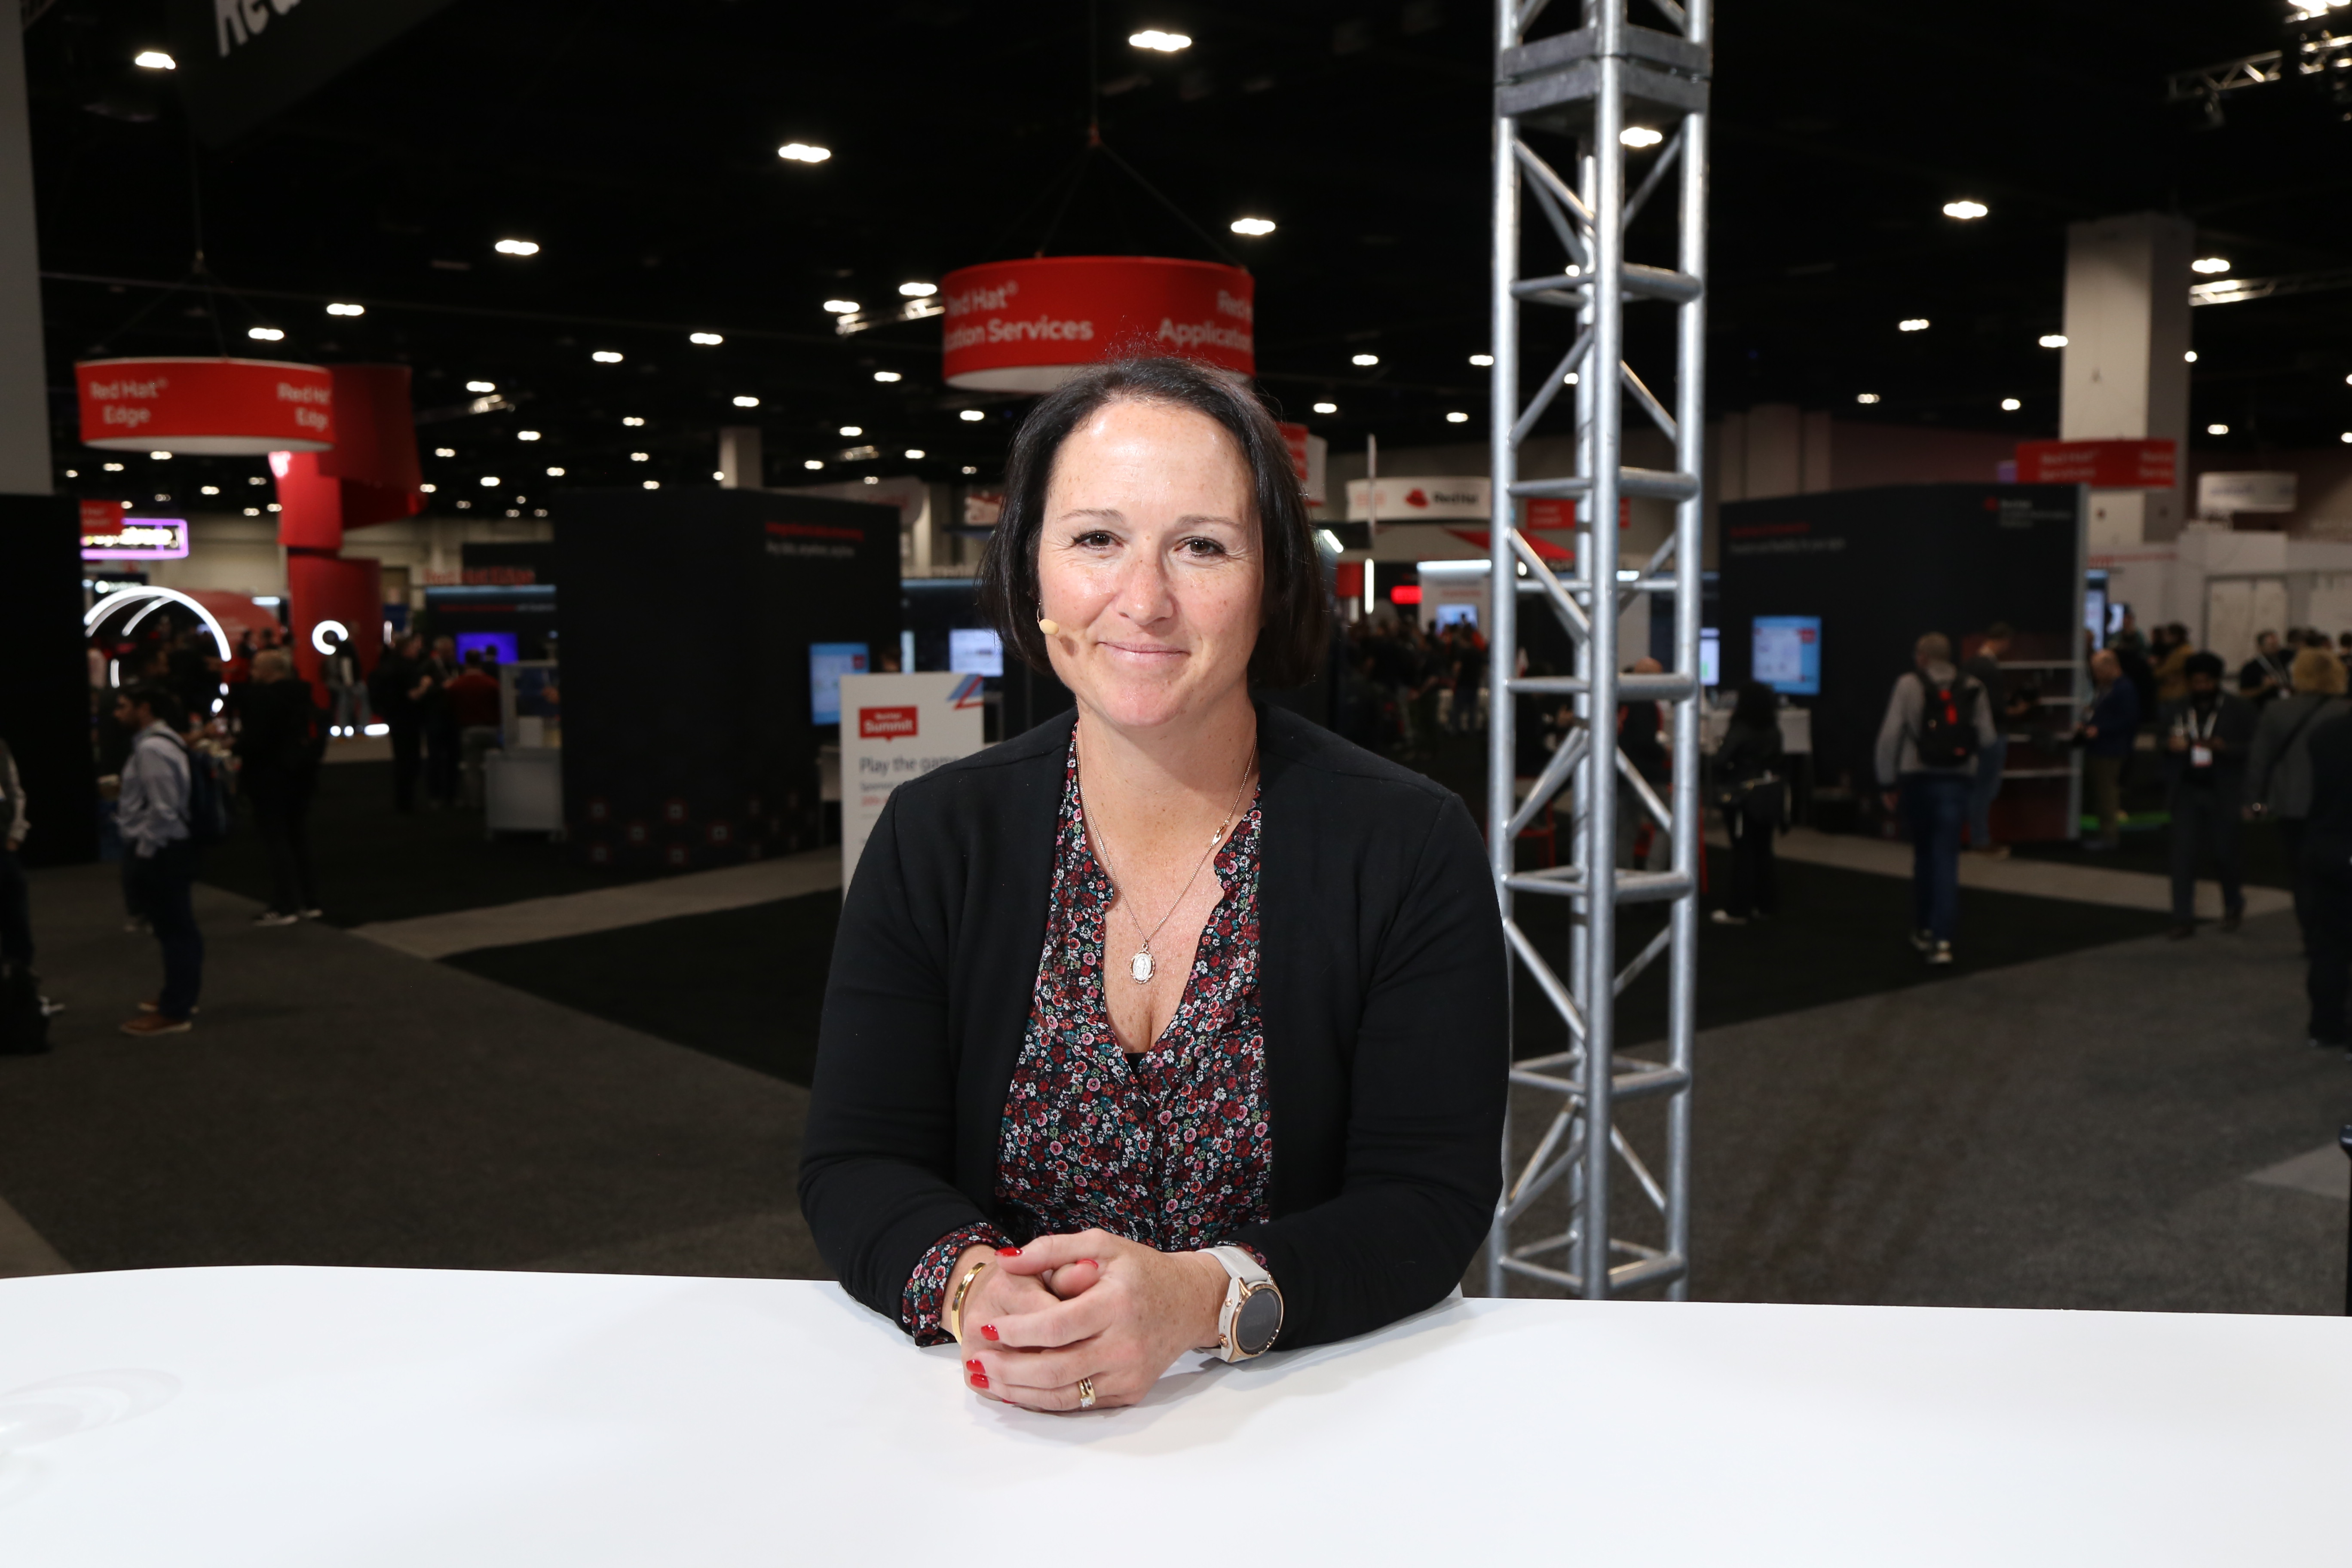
x: 1295, y: 611
x: 160, y: 700
x: 2203, y: 664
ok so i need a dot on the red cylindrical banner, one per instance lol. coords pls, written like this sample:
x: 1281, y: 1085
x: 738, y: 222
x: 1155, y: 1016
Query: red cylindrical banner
x: 219, y: 407
x: 1029, y: 326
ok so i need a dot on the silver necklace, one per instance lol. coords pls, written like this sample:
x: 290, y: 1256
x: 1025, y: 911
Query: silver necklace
x: 1139, y: 968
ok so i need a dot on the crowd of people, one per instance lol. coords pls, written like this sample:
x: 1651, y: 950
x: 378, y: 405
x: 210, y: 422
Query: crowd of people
x: 1404, y: 688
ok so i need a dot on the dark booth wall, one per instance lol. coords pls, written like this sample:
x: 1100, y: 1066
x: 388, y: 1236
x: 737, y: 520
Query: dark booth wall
x: 1880, y: 568
x: 687, y: 616
x: 45, y: 713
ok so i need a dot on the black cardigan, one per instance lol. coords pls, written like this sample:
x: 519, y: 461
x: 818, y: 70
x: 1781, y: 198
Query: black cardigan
x: 1381, y: 988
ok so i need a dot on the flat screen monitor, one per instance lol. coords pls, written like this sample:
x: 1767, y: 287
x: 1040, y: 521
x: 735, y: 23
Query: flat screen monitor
x: 1710, y: 657
x: 975, y: 651
x: 1785, y: 654
x: 828, y: 662
x: 1457, y: 615
x: 500, y: 647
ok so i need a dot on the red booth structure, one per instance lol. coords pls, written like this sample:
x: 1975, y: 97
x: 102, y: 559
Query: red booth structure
x: 372, y: 474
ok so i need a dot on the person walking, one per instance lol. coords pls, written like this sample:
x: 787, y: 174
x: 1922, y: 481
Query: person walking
x: 280, y: 750
x: 1751, y: 793
x: 2207, y: 736
x: 395, y: 687
x: 1984, y: 669
x: 2110, y: 723
x: 347, y: 692
x: 2323, y: 865
x: 152, y: 810
x: 1938, y: 723
x: 2278, y: 763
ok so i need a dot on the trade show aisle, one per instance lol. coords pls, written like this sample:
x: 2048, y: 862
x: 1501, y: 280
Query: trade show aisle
x: 340, y: 1102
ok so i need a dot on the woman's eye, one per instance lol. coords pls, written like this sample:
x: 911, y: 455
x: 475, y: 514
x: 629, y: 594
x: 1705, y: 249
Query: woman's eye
x: 1094, y: 540
x: 1202, y: 547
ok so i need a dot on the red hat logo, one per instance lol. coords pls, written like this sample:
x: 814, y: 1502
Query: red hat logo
x: 1414, y: 497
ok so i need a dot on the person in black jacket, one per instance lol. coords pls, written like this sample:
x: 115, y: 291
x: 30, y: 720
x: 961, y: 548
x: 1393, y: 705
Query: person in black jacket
x: 2207, y: 736
x: 1177, y: 1022
x: 396, y: 689
x: 1749, y: 790
x: 278, y: 751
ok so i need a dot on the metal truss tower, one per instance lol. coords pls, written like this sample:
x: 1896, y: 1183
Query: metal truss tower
x: 1591, y: 85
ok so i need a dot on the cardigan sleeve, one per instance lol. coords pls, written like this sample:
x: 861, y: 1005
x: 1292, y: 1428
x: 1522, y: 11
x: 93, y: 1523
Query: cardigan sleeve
x: 878, y: 1157
x: 1430, y: 1074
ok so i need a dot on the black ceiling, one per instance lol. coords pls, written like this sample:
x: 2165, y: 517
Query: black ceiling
x: 635, y: 143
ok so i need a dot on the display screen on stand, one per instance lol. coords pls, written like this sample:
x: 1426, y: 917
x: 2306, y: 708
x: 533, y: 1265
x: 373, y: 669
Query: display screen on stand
x: 828, y: 662
x: 975, y: 651
x: 1710, y: 657
x: 1786, y: 654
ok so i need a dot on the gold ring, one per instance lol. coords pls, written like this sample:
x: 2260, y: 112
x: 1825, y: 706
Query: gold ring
x: 1086, y: 1393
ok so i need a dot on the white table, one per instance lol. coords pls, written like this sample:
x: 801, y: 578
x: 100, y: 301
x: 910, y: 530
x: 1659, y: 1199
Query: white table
x: 301, y: 1416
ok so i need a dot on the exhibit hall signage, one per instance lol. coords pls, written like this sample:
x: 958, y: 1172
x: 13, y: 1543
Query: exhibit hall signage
x: 2127, y: 465
x: 1029, y: 326
x: 242, y: 63
x: 1420, y: 500
x: 895, y: 728
x: 215, y: 408
x: 109, y: 536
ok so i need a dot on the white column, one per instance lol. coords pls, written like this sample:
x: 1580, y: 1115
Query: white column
x: 2124, y: 375
x: 739, y: 458
x: 24, y: 380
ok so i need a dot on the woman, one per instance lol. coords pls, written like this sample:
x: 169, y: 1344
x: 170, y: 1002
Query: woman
x: 2278, y: 763
x: 1178, y: 1022
x: 1748, y: 792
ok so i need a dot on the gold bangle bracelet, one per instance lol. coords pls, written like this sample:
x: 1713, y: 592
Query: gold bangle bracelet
x: 953, y: 1316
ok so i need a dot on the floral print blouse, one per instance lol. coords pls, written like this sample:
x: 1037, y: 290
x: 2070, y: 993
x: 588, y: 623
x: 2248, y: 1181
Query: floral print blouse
x: 1168, y: 1148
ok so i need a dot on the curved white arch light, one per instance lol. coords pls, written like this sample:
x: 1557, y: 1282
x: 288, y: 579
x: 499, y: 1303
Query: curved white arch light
x: 155, y: 598
x: 325, y: 629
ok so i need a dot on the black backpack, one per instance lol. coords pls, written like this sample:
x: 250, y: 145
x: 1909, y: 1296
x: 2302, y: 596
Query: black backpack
x: 209, y: 813
x: 1948, y: 722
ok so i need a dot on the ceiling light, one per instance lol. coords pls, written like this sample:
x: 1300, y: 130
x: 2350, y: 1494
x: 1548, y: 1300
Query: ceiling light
x: 2346, y: 437
x: 481, y: 386
x: 1365, y: 360
x: 2052, y: 340
x: 813, y: 463
x: 1482, y: 359
x: 605, y: 356
x: 1457, y: 418
x: 2208, y: 265
x: 1327, y: 408
x: 490, y: 481
x: 517, y: 247
x: 2190, y: 358
x: 2010, y: 405
x: 265, y: 334
x: 113, y: 468
x: 1965, y: 210
x: 2217, y: 429
x: 971, y: 417
x: 155, y: 60
x: 918, y: 290
x: 251, y: 479
x: 873, y: 480
x: 653, y: 484
x: 887, y: 375
x: 161, y: 456
x: 1912, y: 324
x: 1162, y: 43
x: 275, y: 506
x: 1639, y: 136
x: 853, y: 429
x: 803, y: 153
x: 1865, y: 397
x: 631, y: 420
x: 1253, y: 226
x: 210, y: 490
x: 740, y: 402
x: 969, y: 469
x: 340, y: 309
x: 253, y: 511
x: 705, y: 339
x: 718, y: 473
x: 915, y: 454
x: 428, y: 489
x: 525, y: 434
x: 641, y: 457
x: 1569, y: 380
x: 842, y: 306
x: 555, y: 473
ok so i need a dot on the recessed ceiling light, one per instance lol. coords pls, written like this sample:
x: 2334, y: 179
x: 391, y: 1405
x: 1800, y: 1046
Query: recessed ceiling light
x: 2190, y: 358
x: 1912, y: 324
x: 155, y: 60
x: 653, y: 484
x: 481, y: 386
x: 251, y: 479
x: 853, y: 429
x: 2217, y: 429
x: 1253, y: 226
x: 161, y: 456
x: 915, y: 454
x: 1366, y: 360
x: 490, y: 481
x: 2010, y: 405
x: 340, y: 308
x: 1482, y: 359
x: 631, y: 420
x: 970, y: 468
x: 2208, y: 265
x: 209, y: 490
x: 428, y: 489
x: 256, y: 512
x: 1640, y: 136
x: 437, y: 451
x: 275, y: 506
x: 1965, y: 209
x: 265, y: 334
x: 1152, y: 38
x: 555, y: 473
x: 747, y: 402
x: 813, y: 463
x: 2346, y: 437
x: 803, y: 153
x: 525, y: 434
x: 887, y: 375
x: 1327, y: 408
x: 641, y: 457
x: 113, y: 468
x: 705, y: 340
x: 1456, y: 416
x: 1865, y: 397
x: 605, y: 356
x: 517, y: 247
x: 842, y: 306
x: 971, y: 417
x: 717, y: 473
x: 2052, y: 340
x: 918, y: 290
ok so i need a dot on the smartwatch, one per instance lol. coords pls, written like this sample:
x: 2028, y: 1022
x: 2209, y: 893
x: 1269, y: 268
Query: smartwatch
x: 1251, y: 1315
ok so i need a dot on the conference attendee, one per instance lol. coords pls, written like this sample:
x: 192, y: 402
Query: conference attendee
x: 152, y: 811
x: 2207, y: 736
x: 347, y: 692
x: 2110, y: 723
x: 1177, y: 1022
x: 16, y: 894
x: 1642, y: 740
x: 2169, y: 665
x: 1469, y: 676
x: 278, y: 749
x: 2323, y: 865
x: 1938, y: 723
x: 2278, y: 763
x: 2269, y: 674
x: 1749, y: 788
x: 474, y: 708
x: 396, y: 688
x: 442, y: 760
x: 1983, y: 667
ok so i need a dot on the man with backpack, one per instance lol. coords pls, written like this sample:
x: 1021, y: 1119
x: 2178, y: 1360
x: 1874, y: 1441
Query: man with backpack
x: 169, y: 800
x: 1938, y: 722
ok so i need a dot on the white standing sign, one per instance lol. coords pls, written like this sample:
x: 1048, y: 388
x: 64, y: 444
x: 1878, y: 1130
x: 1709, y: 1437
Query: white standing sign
x: 895, y: 728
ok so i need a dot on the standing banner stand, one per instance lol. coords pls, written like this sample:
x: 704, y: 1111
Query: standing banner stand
x: 895, y: 728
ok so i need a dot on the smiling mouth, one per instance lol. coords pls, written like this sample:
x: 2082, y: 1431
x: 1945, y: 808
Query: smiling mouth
x: 1142, y: 650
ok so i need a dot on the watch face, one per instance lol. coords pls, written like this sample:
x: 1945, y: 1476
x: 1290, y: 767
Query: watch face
x: 1255, y: 1324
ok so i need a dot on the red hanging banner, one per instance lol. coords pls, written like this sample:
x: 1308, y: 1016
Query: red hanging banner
x: 1028, y: 326
x: 215, y: 407
x: 2127, y: 465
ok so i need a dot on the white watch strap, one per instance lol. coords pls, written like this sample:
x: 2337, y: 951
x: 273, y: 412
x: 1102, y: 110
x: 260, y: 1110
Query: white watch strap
x: 1241, y: 1266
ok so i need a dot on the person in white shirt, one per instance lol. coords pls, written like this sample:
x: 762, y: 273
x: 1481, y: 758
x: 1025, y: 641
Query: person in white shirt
x: 152, y: 811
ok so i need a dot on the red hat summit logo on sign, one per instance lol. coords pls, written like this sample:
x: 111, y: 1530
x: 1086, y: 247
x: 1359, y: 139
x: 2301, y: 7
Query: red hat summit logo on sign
x: 886, y: 723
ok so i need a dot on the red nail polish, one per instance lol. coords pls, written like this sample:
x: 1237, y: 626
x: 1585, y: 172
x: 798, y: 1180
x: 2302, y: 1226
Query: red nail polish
x: 980, y: 1380
x: 973, y: 1365
x: 1008, y: 1252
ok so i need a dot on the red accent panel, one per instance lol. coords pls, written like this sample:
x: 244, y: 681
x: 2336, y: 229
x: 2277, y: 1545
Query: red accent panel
x: 371, y: 475
x: 2133, y: 464
x: 329, y: 588
x: 1348, y: 580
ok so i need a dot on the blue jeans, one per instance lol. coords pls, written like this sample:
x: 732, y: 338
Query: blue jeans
x: 1936, y: 804
x: 1981, y: 789
x: 164, y: 883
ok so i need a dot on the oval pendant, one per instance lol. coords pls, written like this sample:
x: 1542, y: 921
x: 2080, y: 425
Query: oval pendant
x: 1140, y: 966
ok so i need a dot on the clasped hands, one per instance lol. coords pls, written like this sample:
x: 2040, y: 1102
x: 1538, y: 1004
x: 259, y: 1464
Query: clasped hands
x: 1093, y: 1306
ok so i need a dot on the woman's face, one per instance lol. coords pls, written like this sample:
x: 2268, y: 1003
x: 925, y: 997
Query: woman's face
x: 1149, y: 559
